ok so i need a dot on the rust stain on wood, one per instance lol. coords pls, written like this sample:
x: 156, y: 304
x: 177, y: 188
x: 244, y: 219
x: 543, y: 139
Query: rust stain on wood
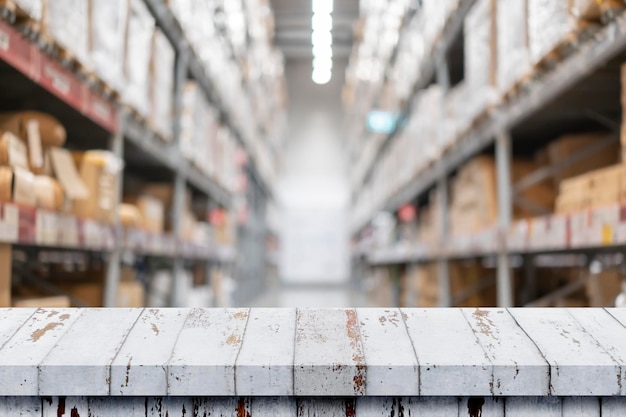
x: 128, y: 371
x: 61, y: 407
x: 484, y: 322
x: 241, y: 408
x: 233, y: 340
x: 74, y: 412
x: 240, y: 315
x: 475, y: 406
x: 350, y: 408
x: 357, y: 354
x: 38, y: 334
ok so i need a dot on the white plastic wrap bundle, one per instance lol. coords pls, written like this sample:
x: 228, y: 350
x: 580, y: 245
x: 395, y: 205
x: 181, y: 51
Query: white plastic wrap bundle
x: 34, y: 8
x: 480, y: 56
x: 549, y: 23
x: 108, y: 31
x: 161, y: 85
x: 67, y: 21
x: 189, y: 119
x: 137, y: 57
x: 513, y: 53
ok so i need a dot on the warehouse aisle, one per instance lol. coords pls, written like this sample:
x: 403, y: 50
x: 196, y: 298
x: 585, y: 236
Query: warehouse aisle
x: 313, y: 188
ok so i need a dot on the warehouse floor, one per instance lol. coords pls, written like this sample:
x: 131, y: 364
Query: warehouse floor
x: 305, y: 296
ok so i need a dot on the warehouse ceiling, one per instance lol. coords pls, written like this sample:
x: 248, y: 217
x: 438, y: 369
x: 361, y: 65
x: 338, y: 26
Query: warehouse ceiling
x: 293, y: 26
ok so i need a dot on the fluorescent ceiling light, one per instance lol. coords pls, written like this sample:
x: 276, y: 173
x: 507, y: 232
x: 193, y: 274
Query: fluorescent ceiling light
x: 321, y: 38
x: 321, y: 76
x: 322, y: 22
x: 322, y: 6
x: 322, y: 64
x: 322, y: 51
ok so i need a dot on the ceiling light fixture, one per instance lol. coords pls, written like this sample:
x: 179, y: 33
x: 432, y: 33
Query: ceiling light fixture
x: 322, y: 41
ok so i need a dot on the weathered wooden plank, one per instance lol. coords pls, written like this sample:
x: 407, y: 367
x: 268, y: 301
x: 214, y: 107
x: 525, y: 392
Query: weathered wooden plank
x: 203, y: 361
x: 265, y: 362
x: 481, y: 406
x: 20, y: 406
x: 581, y: 406
x: 117, y: 407
x: 11, y: 319
x: 65, y: 406
x: 170, y: 407
x: 21, y: 355
x: 326, y: 407
x: 391, y: 365
x: 451, y: 360
x: 273, y: 407
x: 608, y: 333
x: 329, y: 355
x: 430, y: 406
x: 579, y: 366
x: 140, y: 367
x: 533, y: 406
x: 613, y: 407
x: 80, y: 362
x: 518, y: 366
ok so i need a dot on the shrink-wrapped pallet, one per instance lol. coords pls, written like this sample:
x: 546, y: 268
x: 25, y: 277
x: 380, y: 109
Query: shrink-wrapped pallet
x: 190, y: 119
x: 549, y: 24
x: 67, y: 22
x: 161, y: 85
x: 140, y: 28
x: 33, y: 8
x: 108, y: 33
x: 513, y: 53
x: 480, y: 55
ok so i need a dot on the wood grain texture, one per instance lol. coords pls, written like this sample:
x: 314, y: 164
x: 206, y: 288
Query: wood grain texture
x: 140, y: 367
x: 79, y: 364
x: 579, y: 365
x: 265, y: 361
x: 580, y: 407
x: 613, y: 407
x: 21, y: 355
x: 517, y: 363
x: 116, y: 407
x: 11, y: 319
x: 391, y: 365
x: 329, y: 355
x: 20, y: 406
x: 203, y: 361
x: 325, y: 407
x: 65, y: 406
x: 609, y: 335
x: 273, y: 407
x: 533, y: 406
x: 451, y: 360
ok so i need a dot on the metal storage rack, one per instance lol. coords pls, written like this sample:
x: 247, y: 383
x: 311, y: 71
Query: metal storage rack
x: 32, y: 78
x: 581, y: 89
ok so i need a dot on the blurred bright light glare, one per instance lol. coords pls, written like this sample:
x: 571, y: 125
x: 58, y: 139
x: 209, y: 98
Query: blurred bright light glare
x: 322, y: 6
x: 322, y: 22
x: 321, y: 76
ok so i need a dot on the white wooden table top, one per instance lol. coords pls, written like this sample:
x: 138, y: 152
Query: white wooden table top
x: 312, y: 352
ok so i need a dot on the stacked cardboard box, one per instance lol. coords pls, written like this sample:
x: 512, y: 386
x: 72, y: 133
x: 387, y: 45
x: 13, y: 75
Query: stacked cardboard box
x: 474, y: 204
x: 594, y: 189
x: 603, y: 288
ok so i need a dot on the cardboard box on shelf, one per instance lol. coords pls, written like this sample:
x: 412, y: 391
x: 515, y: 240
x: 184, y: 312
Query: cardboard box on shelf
x: 153, y: 213
x: 13, y: 151
x: 592, y: 10
x: 59, y: 301
x: 17, y: 185
x: 130, y: 216
x: 603, y: 288
x: 130, y: 293
x: 567, y: 145
x: 33, y: 123
x: 99, y: 171
x: 49, y: 193
x: 65, y: 172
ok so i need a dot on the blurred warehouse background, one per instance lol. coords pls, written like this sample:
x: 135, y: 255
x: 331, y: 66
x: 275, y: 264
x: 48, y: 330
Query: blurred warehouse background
x: 312, y: 153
